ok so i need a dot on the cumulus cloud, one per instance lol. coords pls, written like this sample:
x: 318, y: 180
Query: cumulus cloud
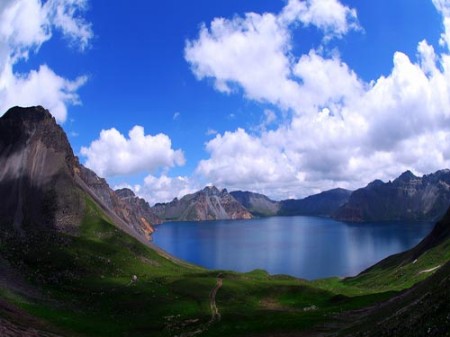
x: 234, y: 52
x: 343, y: 131
x: 330, y: 16
x: 254, y: 52
x: 24, y: 26
x: 239, y: 158
x: 113, y: 154
x: 165, y: 188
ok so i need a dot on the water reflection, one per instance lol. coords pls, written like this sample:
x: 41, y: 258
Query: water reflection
x: 306, y: 247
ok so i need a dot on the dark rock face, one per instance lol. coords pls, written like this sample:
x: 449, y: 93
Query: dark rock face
x: 257, y: 204
x: 207, y: 204
x: 37, y: 169
x: 406, y: 198
x: 44, y: 186
x: 322, y: 204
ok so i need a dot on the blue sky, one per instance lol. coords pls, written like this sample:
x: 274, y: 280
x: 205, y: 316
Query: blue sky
x: 298, y: 97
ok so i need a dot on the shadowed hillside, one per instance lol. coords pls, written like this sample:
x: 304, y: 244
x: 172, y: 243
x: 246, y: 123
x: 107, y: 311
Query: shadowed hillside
x: 75, y: 261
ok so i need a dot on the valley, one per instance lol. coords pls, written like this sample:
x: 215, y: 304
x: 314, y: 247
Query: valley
x: 76, y: 261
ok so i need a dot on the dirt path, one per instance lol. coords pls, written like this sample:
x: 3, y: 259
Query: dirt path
x: 215, y: 314
x: 192, y: 327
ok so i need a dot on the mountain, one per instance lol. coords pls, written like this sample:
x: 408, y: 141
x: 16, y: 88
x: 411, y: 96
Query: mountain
x: 73, y: 262
x: 322, y: 204
x: 207, y: 204
x: 257, y: 204
x: 406, y: 198
x: 46, y: 185
x: 140, y: 209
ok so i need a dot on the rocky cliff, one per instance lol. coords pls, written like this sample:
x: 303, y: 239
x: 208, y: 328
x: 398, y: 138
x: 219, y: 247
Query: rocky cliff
x: 140, y: 210
x: 207, y: 204
x: 37, y: 173
x: 257, y: 204
x: 45, y: 184
x: 406, y: 198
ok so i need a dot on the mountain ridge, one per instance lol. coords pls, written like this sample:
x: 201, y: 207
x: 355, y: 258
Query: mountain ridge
x: 407, y: 197
x: 209, y: 203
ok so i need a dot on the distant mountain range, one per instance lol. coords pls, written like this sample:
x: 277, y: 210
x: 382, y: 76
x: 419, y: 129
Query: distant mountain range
x: 406, y: 198
x: 322, y: 204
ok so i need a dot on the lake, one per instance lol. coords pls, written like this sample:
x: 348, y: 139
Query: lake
x: 301, y: 246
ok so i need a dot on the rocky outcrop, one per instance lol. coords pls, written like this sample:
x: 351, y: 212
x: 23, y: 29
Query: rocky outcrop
x: 207, y: 204
x: 406, y: 198
x: 139, y: 209
x: 257, y: 204
x: 322, y: 204
x: 45, y: 185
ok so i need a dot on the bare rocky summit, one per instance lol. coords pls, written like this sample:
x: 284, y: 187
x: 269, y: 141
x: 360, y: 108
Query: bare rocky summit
x: 207, y: 204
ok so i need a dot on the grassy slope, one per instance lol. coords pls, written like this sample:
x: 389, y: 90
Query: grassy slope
x: 87, y: 289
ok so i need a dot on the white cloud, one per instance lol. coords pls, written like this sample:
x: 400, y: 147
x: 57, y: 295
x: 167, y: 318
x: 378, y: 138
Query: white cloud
x: 211, y: 132
x: 113, y: 154
x: 176, y: 115
x: 26, y: 90
x: 24, y: 26
x: 65, y: 16
x: 333, y: 18
x: 342, y: 131
x: 165, y: 188
x: 254, y: 52
x: 238, y: 158
x: 234, y: 52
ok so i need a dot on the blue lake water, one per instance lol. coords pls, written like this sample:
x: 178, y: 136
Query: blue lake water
x: 306, y: 247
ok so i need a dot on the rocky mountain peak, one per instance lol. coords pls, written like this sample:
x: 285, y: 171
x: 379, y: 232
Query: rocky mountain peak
x: 211, y: 190
x: 32, y: 115
x: 26, y: 127
x: 406, y: 176
x: 207, y: 204
x: 125, y: 193
x: 375, y: 183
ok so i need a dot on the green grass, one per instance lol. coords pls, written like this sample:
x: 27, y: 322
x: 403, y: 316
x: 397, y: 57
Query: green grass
x: 86, y: 281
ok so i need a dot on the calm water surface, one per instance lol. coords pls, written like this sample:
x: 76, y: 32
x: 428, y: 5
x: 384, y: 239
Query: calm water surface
x: 306, y: 247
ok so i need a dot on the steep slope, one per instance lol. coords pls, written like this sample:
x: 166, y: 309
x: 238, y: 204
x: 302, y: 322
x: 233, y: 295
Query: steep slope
x: 422, y: 309
x: 257, y: 204
x: 207, y: 204
x: 45, y: 184
x: 406, y: 198
x: 140, y: 209
x: 322, y: 204
x: 37, y: 174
